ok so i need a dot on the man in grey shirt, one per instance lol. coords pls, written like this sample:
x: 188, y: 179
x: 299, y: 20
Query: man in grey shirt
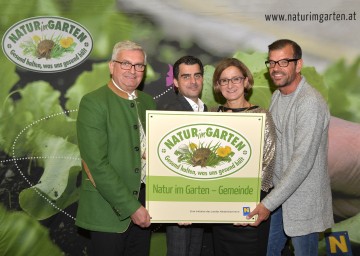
x: 301, y: 199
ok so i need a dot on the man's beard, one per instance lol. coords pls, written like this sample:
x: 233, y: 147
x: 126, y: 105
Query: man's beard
x: 286, y: 83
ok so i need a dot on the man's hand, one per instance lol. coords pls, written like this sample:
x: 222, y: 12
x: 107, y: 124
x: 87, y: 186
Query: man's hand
x: 141, y: 217
x: 184, y: 223
x: 241, y: 224
x: 262, y: 212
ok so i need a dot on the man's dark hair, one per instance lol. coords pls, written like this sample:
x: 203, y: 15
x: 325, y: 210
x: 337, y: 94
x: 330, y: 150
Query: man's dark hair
x: 280, y: 44
x: 187, y: 60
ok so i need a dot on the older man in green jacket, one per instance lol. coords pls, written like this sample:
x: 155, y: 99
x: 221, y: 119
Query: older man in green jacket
x: 111, y: 138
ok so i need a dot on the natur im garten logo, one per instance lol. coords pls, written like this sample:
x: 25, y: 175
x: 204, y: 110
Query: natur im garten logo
x: 47, y: 44
x: 204, y: 151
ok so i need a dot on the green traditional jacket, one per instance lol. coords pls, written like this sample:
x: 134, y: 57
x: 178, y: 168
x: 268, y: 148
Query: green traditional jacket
x: 109, y: 142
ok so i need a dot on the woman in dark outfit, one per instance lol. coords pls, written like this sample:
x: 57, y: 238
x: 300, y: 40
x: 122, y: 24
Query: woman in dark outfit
x: 233, y: 80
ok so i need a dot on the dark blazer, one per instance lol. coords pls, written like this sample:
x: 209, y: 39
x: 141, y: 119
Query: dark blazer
x: 175, y: 235
x: 179, y: 103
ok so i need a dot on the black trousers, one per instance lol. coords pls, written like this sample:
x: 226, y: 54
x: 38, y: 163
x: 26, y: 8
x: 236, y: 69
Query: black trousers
x: 135, y: 241
x: 240, y: 241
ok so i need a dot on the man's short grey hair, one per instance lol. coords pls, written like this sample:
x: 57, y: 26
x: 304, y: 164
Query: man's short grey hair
x: 126, y: 45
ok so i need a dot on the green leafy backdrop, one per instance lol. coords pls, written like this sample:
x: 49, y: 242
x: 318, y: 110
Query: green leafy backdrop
x: 37, y: 127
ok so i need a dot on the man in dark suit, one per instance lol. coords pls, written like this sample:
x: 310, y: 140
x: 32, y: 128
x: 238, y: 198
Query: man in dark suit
x: 188, y: 71
x: 188, y: 74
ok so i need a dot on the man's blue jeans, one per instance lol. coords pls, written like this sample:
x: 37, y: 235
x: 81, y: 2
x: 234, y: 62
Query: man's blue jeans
x: 306, y: 245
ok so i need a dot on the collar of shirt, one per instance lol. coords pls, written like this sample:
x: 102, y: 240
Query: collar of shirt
x: 132, y: 95
x: 196, y: 107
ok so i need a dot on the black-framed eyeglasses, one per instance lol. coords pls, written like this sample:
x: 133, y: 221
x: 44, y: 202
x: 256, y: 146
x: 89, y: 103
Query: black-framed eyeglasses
x: 234, y: 80
x: 127, y: 65
x: 282, y: 63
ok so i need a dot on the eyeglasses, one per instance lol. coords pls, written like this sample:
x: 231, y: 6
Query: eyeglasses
x: 127, y: 65
x: 234, y: 80
x: 282, y: 63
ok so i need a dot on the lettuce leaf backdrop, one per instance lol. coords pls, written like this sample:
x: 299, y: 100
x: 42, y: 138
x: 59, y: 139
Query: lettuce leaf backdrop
x: 40, y: 162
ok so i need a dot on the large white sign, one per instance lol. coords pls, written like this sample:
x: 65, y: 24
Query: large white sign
x: 203, y: 167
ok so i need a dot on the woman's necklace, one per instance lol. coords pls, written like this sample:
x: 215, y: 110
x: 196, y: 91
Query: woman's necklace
x: 225, y: 109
